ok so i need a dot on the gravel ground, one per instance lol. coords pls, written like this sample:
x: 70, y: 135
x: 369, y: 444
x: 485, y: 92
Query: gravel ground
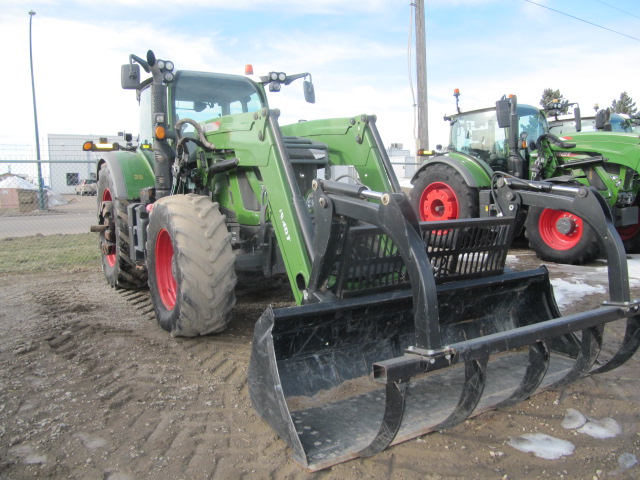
x: 92, y: 388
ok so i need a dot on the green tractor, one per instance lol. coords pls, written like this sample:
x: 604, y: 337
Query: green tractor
x: 401, y: 327
x: 515, y: 139
x: 602, y: 121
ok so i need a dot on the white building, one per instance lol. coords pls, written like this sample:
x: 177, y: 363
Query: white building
x: 69, y: 164
x: 403, y: 163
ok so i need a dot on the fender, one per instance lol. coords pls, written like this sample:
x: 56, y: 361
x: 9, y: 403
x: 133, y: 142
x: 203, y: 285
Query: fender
x: 131, y: 172
x: 476, y: 173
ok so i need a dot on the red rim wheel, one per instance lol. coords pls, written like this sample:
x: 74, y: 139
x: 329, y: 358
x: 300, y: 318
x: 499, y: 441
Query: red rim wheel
x: 559, y: 229
x: 438, y: 202
x: 167, y: 286
x: 111, y: 256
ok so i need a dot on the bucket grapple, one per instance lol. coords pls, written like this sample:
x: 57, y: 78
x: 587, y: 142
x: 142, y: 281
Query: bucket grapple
x: 411, y: 327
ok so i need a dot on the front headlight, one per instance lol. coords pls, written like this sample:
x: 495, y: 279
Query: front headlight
x: 310, y: 201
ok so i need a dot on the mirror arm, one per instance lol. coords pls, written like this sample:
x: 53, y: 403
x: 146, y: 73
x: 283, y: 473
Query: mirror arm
x: 292, y: 78
x: 142, y: 62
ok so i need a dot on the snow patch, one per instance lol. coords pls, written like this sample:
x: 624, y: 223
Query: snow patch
x: 605, y: 428
x: 28, y: 454
x: 567, y: 292
x: 627, y: 460
x: 633, y: 264
x: 573, y: 419
x: 541, y: 445
x: 17, y: 182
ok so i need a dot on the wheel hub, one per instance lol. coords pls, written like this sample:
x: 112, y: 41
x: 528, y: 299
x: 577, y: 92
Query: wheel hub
x: 566, y: 225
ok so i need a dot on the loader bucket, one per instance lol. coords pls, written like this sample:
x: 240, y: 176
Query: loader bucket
x: 311, y: 367
x: 415, y: 328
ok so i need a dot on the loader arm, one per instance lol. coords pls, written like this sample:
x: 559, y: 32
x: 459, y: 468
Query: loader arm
x: 259, y: 143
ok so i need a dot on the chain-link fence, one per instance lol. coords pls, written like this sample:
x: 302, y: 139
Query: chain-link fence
x: 46, y: 209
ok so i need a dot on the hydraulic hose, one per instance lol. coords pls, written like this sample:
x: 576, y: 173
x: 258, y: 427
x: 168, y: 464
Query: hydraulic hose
x: 555, y: 140
x: 201, y: 141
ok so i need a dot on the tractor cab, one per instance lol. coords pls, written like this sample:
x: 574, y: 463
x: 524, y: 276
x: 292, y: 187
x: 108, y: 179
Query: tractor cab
x: 478, y: 134
x: 205, y: 96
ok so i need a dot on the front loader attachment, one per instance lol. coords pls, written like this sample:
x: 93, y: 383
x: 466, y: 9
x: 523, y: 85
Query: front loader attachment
x: 413, y: 327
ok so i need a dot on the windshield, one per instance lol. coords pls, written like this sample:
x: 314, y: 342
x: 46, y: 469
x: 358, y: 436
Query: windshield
x: 204, y: 96
x: 623, y: 124
x: 619, y: 123
x: 532, y: 123
x: 478, y: 134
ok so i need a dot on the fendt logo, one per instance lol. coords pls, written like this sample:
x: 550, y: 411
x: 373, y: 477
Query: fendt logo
x: 284, y: 226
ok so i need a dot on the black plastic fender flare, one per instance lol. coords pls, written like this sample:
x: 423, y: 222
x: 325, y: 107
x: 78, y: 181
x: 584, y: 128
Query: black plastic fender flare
x: 119, y: 184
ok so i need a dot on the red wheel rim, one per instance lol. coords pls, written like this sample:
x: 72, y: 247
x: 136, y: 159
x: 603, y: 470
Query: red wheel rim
x: 438, y: 202
x: 167, y: 286
x: 111, y: 256
x: 559, y: 229
x: 629, y: 231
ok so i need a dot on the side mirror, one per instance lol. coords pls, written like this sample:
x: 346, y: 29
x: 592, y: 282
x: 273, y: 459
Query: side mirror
x: 309, y: 92
x: 601, y: 119
x: 502, y: 112
x: 130, y: 76
x: 578, y: 119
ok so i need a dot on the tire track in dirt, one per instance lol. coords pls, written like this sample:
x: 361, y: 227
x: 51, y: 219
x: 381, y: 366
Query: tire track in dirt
x: 92, y: 387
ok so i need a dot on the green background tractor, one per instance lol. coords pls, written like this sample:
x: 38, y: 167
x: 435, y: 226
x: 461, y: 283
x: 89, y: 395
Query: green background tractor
x: 515, y: 139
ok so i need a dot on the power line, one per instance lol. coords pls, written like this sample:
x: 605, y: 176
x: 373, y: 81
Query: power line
x: 619, y: 9
x: 585, y: 21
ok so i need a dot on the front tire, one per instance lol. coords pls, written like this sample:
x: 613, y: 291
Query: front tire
x: 440, y: 193
x: 119, y: 268
x: 191, y: 265
x: 561, y: 237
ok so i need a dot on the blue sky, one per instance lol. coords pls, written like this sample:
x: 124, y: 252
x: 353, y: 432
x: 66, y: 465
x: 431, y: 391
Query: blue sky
x: 356, y: 52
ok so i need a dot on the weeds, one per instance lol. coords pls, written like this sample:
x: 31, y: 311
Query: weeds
x: 51, y: 252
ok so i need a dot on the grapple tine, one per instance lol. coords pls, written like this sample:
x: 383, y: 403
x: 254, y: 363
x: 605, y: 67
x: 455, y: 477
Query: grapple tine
x: 474, y: 380
x: 629, y: 346
x: 391, y: 421
x: 590, y: 344
x: 538, y: 364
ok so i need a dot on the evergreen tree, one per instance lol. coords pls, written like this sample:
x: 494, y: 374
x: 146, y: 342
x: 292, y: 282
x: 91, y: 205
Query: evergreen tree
x: 551, y: 98
x: 624, y: 105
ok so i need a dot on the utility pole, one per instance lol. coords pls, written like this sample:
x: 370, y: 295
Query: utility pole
x: 421, y: 73
x: 41, y: 204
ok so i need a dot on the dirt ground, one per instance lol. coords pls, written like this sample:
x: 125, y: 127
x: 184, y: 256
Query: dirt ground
x: 92, y: 388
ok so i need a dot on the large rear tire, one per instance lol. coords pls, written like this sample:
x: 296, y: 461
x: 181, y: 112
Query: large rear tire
x: 440, y: 193
x: 561, y: 237
x: 119, y: 268
x: 191, y: 265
